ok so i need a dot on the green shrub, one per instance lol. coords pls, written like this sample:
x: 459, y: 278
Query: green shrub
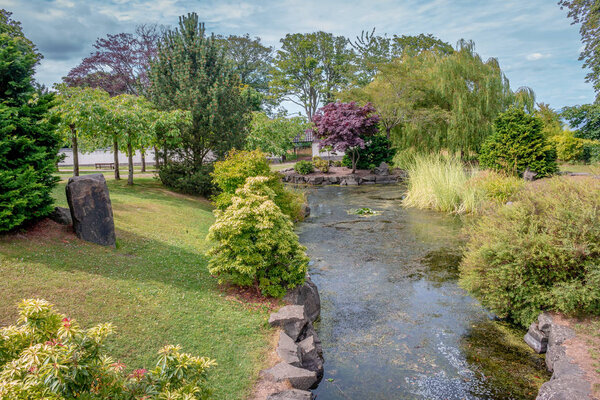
x: 49, y: 356
x: 377, y: 149
x: 540, y: 253
x: 518, y: 144
x: 321, y: 165
x: 568, y: 147
x: 591, y: 151
x: 495, y: 186
x: 231, y: 174
x: 28, y: 141
x: 304, y: 167
x: 186, y: 179
x: 256, y: 245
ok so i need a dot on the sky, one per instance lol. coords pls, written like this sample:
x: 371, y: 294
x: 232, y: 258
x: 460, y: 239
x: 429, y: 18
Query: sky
x: 533, y: 40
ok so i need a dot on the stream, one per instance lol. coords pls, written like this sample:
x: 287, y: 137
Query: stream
x: 394, y: 323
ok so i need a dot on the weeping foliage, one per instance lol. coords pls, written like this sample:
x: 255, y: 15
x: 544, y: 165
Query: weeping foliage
x: 448, y: 101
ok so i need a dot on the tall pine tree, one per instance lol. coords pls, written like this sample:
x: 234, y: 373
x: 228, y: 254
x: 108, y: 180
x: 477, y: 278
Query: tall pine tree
x: 28, y: 143
x: 191, y: 73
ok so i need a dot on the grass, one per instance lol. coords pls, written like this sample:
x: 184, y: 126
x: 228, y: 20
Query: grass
x: 154, y: 287
x: 444, y: 183
x: 593, y: 169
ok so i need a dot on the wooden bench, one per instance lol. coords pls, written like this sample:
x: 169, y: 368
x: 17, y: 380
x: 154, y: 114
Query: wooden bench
x: 105, y: 165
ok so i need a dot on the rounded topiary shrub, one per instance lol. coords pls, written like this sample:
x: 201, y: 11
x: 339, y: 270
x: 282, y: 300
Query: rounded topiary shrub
x: 304, y: 167
x: 256, y: 245
x: 542, y: 252
x: 517, y: 144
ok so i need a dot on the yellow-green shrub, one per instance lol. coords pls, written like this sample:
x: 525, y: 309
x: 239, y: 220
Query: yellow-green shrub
x: 256, y: 244
x: 231, y: 174
x: 540, y: 253
x: 568, y: 147
x: 49, y: 356
x: 496, y: 186
x: 321, y: 165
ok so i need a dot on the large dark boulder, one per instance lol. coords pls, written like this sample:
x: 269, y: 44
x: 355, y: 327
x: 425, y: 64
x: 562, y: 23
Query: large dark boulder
x: 91, y: 209
x: 306, y: 295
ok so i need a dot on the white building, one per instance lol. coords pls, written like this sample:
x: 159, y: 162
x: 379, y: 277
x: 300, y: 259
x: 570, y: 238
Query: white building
x: 103, y: 156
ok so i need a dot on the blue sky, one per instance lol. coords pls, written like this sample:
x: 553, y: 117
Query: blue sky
x: 533, y: 39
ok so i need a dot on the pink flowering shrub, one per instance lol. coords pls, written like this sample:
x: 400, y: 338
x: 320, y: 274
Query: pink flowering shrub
x: 49, y: 356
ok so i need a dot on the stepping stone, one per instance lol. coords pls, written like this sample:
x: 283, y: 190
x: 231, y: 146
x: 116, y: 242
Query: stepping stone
x: 291, y: 318
x: 288, y: 350
x: 299, y: 378
x: 293, y: 394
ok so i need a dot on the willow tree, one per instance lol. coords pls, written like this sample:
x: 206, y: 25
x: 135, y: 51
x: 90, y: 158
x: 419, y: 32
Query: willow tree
x: 442, y: 100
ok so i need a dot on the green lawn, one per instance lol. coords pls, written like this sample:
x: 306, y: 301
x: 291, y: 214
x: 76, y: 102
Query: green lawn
x: 154, y: 287
x: 593, y: 169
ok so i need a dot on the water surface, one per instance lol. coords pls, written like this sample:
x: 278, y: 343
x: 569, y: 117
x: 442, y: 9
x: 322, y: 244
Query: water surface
x: 393, y: 321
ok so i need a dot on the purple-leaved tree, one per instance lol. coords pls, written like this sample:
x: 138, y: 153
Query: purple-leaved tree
x: 343, y: 127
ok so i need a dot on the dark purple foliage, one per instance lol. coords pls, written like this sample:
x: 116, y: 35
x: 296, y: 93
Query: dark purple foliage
x: 342, y: 126
x: 119, y: 64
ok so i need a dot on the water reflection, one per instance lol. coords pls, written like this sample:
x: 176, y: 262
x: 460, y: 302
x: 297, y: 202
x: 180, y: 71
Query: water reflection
x: 393, y: 320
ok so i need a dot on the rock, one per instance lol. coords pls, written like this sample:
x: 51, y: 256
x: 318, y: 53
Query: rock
x: 299, y: 378
x: 291, y: 318
x: 306, y: 295
x: 334, y: 180
x: 384, y: 179
x: 529, y: 175
x: 61, y: 215
x: 536, y: 339
x: 565, y: 389
x: 91, y: 210
x: 382, y: 170
x: 311, y: 360
x: 305, y: 210
x: 315, y: 180
x: 545, y: 322
x: 309, y: 331
x: 353, y: 180
x: 288, y: 350
x: 293, y: 394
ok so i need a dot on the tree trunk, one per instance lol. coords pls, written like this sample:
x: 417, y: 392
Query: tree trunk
x: 354, y: 160
x: 75, y: 151
x: 387, y: 133
x: 156, y: 159
x: 130, y: 162
x: 143, y: 154
x: 116, y: 158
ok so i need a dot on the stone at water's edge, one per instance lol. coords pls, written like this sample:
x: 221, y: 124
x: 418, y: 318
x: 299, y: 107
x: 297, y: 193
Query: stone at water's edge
x: 61, y: 215
x: 299, y: 378
x: 91, y: 210
x: 293, y: 394
x: 383, y: 169
x: 536, y: 339
x: 288, y: 350
x: 291, y: 318
x: 568, y: 380
x: 311, y: 360
x: 306, y: 295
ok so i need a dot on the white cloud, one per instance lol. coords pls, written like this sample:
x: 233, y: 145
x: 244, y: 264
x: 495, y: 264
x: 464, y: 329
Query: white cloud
x: 536, y: 56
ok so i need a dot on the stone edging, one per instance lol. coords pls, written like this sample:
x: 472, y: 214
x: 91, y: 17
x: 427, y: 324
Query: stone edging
x: 568, y: 379
x: 299, y: 345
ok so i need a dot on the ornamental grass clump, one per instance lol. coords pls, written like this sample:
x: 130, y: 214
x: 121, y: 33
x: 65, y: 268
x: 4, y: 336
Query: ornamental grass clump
x: 255, y: 242
x: 47, y: 355
x: 542, y: 252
